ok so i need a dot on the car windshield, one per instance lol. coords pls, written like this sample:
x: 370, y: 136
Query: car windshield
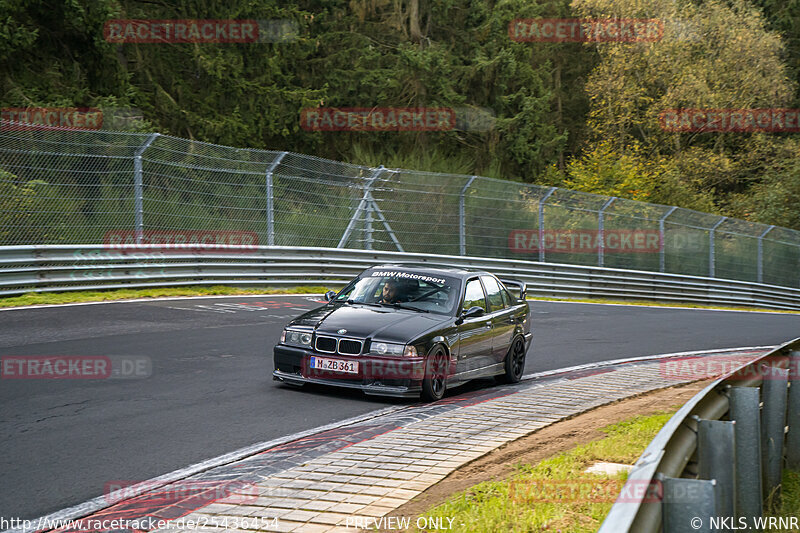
x: 420, y: 291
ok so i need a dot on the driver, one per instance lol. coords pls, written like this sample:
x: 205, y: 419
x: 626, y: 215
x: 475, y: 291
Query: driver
x: 391, y: 292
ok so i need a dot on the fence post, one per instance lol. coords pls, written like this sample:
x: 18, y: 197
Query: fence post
x: 138, y: 188
x: 773, y: 424
x: 368, y: 227
x: 601, y: 245
x: 270, y: 199
x: 688, y: 505
x: 379, y: 217
x: 760, y: 266
x: 711, y: 255
x: 744, y: 405
x: 462, y: 236
x: 793, y: 413
x: 363, y: 205
x: 662, y: 260
x: 716, y: 450
x: 541, y: 222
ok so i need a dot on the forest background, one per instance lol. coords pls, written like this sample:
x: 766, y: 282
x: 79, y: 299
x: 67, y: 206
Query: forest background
x: 583, y: 116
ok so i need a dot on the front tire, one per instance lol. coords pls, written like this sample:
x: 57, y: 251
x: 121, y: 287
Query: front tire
x: 435, y: 381
x: 514, y: 363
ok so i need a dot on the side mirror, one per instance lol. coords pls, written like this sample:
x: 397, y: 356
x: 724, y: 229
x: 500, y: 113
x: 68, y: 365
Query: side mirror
x: 330, y: 295
x: 523, y: 293
x: 520, y: 286
x: 472, y: 312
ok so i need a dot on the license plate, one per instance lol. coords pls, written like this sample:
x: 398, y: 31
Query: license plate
x: 334, y: 365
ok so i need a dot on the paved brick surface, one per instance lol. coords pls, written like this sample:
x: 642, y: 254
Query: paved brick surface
x: 329, y: 480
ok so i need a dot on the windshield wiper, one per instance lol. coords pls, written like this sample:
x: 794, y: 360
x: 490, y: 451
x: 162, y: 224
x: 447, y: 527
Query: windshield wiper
x: 351, y: 302
x: 401, y: 306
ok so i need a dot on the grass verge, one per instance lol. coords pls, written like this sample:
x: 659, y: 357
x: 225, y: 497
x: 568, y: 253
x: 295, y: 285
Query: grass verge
x: 554, y: 494
x: 50, y: 298
x: 789, y: 501
x: 661, y: 304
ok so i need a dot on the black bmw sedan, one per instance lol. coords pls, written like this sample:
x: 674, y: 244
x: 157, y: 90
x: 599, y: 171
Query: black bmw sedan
x: 409, y: 330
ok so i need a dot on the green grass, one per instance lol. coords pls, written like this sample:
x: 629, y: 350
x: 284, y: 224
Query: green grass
x: 790, y: 498
x: 50, y: 298
x: 515, y: 504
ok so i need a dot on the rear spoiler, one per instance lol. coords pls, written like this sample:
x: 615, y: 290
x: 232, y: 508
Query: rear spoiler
x: 520, y: 287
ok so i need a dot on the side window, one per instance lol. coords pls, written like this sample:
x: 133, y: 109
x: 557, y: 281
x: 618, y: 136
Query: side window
x: 507, y: 299
x: 346, y: 292
x: 493, y: 293
x: 474, y: 295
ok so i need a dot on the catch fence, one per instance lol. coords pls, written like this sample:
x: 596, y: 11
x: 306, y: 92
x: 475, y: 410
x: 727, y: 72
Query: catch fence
x: 90, y: 187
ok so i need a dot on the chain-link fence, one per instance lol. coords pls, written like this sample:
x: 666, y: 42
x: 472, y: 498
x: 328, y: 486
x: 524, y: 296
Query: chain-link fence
x: 80, y: 187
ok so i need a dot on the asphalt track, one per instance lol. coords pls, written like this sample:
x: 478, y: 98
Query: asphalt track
x: 210, y: 391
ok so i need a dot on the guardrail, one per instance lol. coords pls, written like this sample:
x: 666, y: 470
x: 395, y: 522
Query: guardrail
x: 719, y: 459
x: 44, y: 268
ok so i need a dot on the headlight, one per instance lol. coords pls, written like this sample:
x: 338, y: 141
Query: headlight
x: 299, y: 338
x: 386, y: 348
x: 391, y: 348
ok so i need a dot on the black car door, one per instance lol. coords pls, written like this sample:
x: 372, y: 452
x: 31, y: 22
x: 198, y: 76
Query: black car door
x: 474, y: 334
x: 502, y: 318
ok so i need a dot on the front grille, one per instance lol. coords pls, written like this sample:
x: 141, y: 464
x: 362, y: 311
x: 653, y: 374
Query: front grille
x: 349, y: 347
x: 326, y: 344
x: 342, y: 346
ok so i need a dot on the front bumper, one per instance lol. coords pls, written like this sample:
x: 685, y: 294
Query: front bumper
x: 382, y: 376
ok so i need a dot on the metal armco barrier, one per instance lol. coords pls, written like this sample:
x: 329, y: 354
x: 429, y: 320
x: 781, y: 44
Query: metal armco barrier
x: 716, y: 464
x: 44, y: 268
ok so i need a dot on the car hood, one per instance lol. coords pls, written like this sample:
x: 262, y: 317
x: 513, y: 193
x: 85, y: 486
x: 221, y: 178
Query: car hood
x: 360, y: 321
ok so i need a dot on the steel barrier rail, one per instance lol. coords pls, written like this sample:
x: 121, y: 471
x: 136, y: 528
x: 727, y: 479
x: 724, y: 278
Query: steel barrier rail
x: 44, y: 268
x: 716, y: 450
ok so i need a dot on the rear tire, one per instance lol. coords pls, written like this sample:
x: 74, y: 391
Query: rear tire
x: 434, y: 382
x: 514, y: 363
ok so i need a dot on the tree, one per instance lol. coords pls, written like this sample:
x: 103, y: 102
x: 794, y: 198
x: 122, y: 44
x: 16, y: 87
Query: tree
x: 713, y: 55
x: 716, y: 55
